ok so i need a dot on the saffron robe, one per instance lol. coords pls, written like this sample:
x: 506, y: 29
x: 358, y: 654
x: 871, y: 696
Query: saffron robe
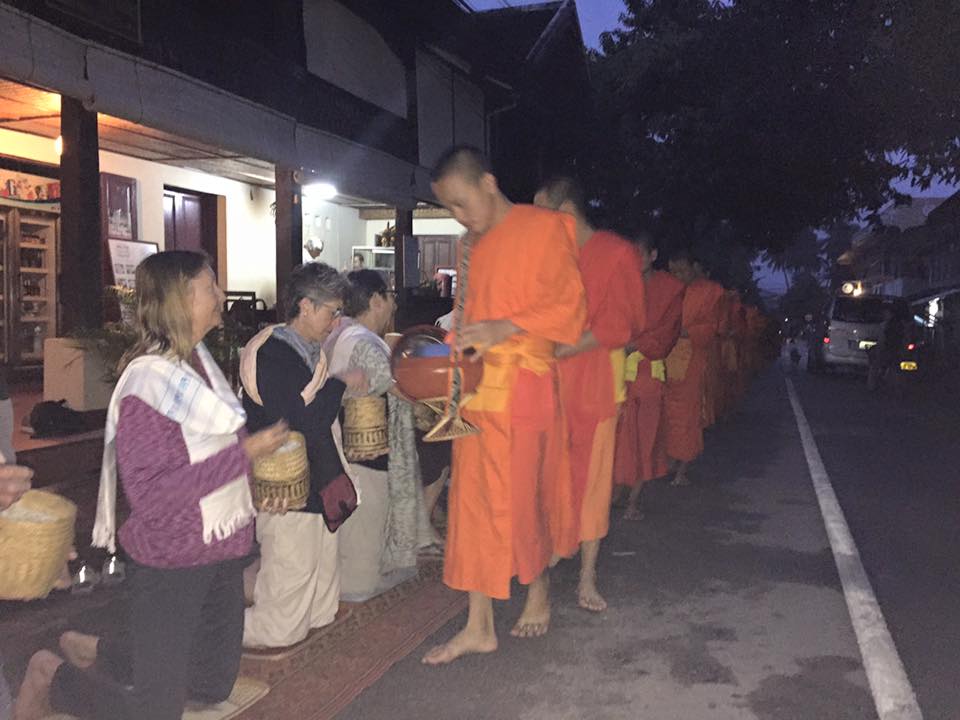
x: 591, y: 382
x: 506, y: 477
x: 641, y: 453
x: 685, y: 396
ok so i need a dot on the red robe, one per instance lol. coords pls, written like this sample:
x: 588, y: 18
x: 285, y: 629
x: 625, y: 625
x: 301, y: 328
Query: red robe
x: 685, y: 396
x: 641, y: 452
x: 616, y: 313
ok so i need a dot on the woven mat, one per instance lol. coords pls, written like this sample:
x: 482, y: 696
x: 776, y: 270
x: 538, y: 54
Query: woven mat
x: 331, y: 668
x: 245, y: 693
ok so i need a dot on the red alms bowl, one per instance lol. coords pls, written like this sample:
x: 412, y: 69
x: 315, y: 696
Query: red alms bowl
x: 421, y: 365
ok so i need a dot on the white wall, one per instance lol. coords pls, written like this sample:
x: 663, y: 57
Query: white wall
x: 421, y: 226
x: 338, y: 226
x: 251, y: 234
x: 346, y: 51
x: 251, y: 243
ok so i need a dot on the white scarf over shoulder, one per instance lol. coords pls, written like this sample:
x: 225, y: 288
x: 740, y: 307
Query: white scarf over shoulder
x: 209, y: 418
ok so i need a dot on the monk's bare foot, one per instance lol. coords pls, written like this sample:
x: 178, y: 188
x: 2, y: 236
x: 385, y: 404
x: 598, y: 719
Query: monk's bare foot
x: 79, y: 650
x: 589, y: 598
x: 632, y: 513
x: 465, y: 642
x: 33, y: 700
x: 680, y: 479
x: 535, y: 619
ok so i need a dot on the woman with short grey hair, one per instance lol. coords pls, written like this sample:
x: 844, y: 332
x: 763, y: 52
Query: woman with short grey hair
x: 284, y: 376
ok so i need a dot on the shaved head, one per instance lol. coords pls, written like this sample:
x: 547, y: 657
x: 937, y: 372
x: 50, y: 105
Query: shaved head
x: 466, y: 161
x: 560, y: 189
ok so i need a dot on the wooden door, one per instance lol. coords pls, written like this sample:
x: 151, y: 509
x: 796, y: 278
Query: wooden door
x: 190, y: 222
x: 436, y: 251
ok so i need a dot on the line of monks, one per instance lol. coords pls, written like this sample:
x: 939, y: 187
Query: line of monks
x: 598, y: 371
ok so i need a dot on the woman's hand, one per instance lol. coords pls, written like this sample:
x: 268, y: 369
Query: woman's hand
x: 266, y: 441
x: 356, y: 381
x: 14, y: 482
x: 275, y: 506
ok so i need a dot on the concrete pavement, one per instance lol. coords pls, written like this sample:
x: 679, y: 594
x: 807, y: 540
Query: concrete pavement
x: 724, y: 604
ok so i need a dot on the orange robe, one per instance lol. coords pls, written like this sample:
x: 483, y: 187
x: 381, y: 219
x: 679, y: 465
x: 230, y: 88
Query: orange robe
x: 714, y: 387
x: 506, y: 477
x: 685, y: 396
x: 641, y: 453
x: 590, y: 391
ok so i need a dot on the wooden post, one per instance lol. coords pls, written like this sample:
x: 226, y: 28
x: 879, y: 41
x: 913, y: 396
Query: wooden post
x: 81, y: 282
x: 289, y: 220
x: 404, y: 219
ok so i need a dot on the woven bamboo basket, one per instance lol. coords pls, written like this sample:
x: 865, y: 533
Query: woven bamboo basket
x: 365, y: 428
x: 36, y: 535
x: 284, y: 474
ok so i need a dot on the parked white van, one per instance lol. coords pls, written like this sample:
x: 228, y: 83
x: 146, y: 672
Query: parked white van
x: 853, y: 324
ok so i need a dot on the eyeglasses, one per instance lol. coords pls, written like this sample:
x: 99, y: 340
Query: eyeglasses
x: 335, y: 310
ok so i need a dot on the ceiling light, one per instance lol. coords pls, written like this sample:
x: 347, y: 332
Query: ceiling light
x: 321, y: 191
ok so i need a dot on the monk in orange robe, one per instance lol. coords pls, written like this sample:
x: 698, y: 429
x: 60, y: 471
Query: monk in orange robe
x: 524, y: 297
x: 591, y: 377
x: 687, y: 365
x: 714, y: 389
x: 641, y: 453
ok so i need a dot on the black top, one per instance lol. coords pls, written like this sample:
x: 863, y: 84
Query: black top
x: 281, y: 376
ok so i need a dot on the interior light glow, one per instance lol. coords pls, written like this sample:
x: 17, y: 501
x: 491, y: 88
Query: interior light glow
x: 321, y: 191
x: 58, y: 145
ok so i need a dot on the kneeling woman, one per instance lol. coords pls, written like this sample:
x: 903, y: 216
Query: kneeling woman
x: 379, y: 545
x: 175, y: 436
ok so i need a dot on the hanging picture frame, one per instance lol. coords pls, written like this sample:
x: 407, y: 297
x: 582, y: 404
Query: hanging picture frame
x: 125, y: 255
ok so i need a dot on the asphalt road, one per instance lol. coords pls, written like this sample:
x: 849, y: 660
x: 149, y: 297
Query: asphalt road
x: 725, y: 600
x: 894, y: 460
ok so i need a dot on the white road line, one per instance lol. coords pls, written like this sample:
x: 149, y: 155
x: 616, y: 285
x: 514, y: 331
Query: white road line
x: 892, y: 693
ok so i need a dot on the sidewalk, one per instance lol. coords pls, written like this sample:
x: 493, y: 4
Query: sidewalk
x: 724, y: 604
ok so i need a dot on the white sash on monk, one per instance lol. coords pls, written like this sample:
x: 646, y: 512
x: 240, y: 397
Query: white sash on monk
x: 209, y: 418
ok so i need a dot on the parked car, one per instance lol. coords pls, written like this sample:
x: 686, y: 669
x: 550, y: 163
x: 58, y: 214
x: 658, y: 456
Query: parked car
x: 852, y: 325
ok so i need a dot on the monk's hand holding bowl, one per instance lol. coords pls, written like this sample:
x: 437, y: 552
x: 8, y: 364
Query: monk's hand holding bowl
x: 483, y: 335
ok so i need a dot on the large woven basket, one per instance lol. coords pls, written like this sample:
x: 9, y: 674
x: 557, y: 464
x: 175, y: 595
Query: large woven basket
x: 284, y: 474
x: 36, y: 536
x: 365, y: 434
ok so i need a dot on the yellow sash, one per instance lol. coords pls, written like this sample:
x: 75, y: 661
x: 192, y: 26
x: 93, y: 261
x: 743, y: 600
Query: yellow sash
x: 658, y: 369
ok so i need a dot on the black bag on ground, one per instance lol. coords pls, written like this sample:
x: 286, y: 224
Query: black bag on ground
x: 54, y: 419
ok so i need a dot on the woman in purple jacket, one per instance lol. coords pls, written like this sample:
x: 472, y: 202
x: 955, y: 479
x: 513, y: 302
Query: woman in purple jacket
x: 175, y: 438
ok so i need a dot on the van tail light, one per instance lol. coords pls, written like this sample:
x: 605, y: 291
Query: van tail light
x: 826, y: 340
x: 911, y: 347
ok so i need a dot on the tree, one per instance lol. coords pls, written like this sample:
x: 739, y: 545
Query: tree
x: 754, y: 120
